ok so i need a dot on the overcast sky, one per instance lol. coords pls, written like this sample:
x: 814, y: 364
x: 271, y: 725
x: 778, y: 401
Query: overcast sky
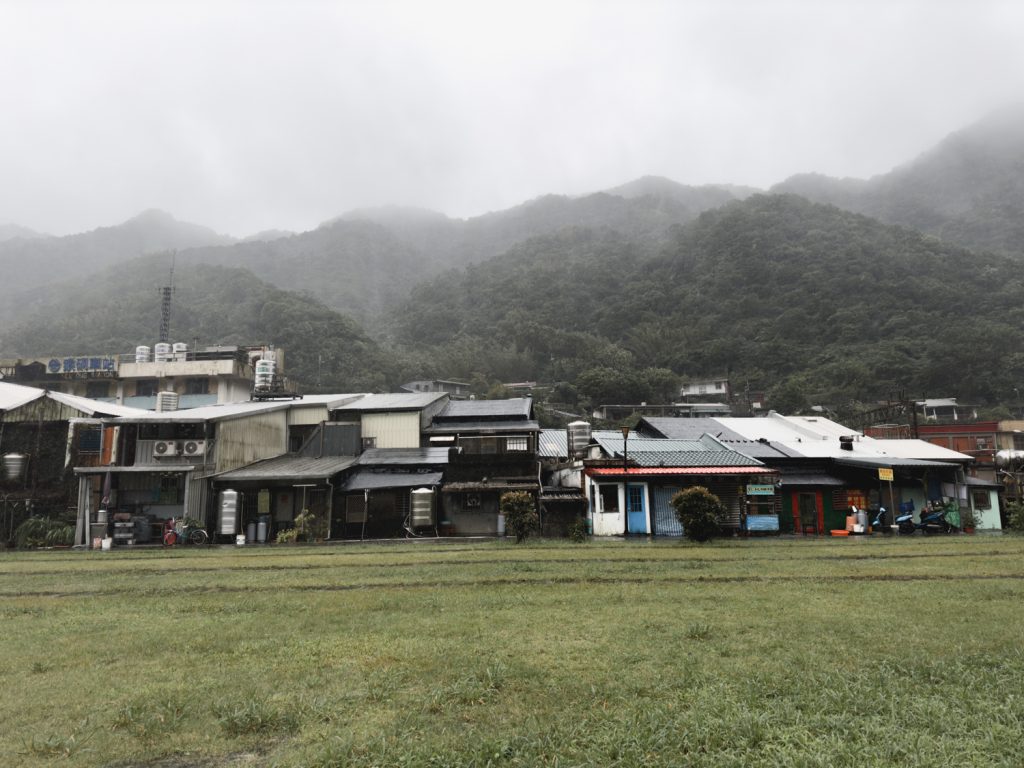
x: 255, y: 115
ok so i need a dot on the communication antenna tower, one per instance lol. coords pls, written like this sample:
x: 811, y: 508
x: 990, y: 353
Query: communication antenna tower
x: 165, y: 305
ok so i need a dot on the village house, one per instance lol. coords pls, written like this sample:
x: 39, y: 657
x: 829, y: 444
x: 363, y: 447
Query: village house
x: 37, y: 445
x: 630, y: 481
x: 160, y: 465
x: 825, y: 468
x: 492, y: 449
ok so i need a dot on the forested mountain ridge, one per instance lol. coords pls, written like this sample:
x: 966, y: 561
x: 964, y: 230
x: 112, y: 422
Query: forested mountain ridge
x: 967, y: 190
x: 773, y: 289
x: 29, y: 264
x: 120, y: 309
x: 778, y: 292
x: 363, y: 263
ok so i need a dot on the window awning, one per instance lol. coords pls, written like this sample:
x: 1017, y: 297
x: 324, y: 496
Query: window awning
x: 892, y: 462
x: 651, y: 471
x: 153, y: 469
x: 797, y: 480
x: 371, y: 481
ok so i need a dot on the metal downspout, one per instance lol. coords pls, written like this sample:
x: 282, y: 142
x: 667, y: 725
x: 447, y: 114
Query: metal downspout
x: 330, y: 508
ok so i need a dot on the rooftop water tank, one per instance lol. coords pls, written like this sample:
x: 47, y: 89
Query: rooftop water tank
x: 265, y: 373
x: 162, y: 352
x: 578, y: 437
x: 230, y: 505
x: 421, y: 508
x: 14, y: 465
x: 180, y: 350
x: 142, y: 354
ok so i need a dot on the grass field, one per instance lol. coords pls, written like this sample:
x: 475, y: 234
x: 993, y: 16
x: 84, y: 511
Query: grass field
x: 744, y: 653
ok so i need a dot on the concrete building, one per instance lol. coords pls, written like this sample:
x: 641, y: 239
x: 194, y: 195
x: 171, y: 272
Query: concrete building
x: 197, y: 377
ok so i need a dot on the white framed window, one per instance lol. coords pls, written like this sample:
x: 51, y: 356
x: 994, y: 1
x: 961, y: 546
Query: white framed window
x: 517, y: 444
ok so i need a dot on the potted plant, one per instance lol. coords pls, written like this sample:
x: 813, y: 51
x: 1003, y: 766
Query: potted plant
x: 968, y: 519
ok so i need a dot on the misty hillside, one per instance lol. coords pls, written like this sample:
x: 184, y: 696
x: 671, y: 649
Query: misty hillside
x: 366, y: 262
x: 356, y: 267
x: 770, y: 289
x: 38, y: 262
x: 363, y: 263
x: 14, y: 231
x: 697, y: 199
x: 968, y: 190
x: 120, y: 308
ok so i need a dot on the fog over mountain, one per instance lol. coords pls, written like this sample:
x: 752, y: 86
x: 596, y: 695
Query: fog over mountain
x: 247, y: 116
x: 968, y: 190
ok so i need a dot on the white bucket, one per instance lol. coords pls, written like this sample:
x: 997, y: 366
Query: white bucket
x: 107, y: 544
x: 240, y: 540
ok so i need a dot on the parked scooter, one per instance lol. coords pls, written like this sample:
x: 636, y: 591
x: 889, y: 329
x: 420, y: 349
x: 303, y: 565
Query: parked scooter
x: 933, y: 520
x: 878, y: 522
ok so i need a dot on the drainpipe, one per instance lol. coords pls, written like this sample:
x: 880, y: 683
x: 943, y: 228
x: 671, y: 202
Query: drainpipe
x: 330, y: 506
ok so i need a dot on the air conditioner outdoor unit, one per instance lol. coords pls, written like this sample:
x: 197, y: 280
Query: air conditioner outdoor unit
x: 194, y: 448
x: 165, y: 448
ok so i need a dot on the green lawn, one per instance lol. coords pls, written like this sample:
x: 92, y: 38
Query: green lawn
x: 898, y: 651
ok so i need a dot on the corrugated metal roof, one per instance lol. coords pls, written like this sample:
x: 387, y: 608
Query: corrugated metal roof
x: 471, y: 487
x: 977, y: 482
x: 678, y: 428
x: 368, y: 481
x: 691, y: 459
x: 482, y: 427
x: 892, y: 462
x: 553, y: 444
x: 332, y: 401
x: 95, y: 407
x: 403, y: 457
x: 694, y: 428
x: 655, y: 452
x: 919, y: 449
x: 214, y: 412
x: 15, y: 395
x: 392, y: 401
x: 642, y: 471
x: 289, y: 467
x: 508, y: 408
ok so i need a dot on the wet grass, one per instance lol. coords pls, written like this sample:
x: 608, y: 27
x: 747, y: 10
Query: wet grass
x: 803, y: 653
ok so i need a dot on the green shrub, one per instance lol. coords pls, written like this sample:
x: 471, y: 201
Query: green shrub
x: 520, y: 511
x: 43, y: 532
x: 1015, y: 516
x: 699, y: 511
x: 578, y: 530
x: 309, y: 526
x: 287, y: 536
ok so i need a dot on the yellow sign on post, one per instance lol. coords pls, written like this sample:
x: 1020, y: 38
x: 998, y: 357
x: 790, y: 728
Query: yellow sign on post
x: 885, y: 473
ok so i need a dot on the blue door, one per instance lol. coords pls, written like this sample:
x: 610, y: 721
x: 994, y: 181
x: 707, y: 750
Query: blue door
x: 636, y: 511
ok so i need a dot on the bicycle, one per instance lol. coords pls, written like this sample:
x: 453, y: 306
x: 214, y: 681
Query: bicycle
x: 186, y: 530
